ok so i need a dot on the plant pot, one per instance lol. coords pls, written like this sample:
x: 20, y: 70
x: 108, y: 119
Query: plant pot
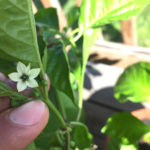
x: 143, y: 115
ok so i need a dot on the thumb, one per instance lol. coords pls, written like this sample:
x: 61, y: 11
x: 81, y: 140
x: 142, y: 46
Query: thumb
x: 20, y: 126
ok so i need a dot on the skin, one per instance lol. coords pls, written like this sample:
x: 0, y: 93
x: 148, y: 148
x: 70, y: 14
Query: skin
x: 17, y: 134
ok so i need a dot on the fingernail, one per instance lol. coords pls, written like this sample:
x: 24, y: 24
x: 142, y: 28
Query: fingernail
x: 28, y: 114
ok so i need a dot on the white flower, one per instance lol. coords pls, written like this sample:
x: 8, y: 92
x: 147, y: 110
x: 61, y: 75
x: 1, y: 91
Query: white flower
x: 24, y: 76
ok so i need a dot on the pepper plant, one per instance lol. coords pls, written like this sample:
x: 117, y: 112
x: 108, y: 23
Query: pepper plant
x: 124, y: 129
x: 35, y: 41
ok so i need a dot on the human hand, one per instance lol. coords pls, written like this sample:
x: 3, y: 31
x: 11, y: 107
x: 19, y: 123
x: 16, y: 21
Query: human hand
x: 20, y: 126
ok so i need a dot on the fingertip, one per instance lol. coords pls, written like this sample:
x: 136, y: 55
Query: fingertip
x: 24, y: 123
x: 28, y: 114
x: 2, y: 77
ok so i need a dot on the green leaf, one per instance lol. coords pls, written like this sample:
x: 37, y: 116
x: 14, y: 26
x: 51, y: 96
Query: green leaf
x: 134, y: 83
x: 58, y: 69
x: 81, y: 135
x: 6, y: 67
x: 17, y: 30
x: 38, y: 4
x: 47, y: 18
x: 129, y: 147
x: 147, y: 137
x: 31, y: 146
x: 89, y: 38
x: 113, y: 144
x: 75, y: 63
x: 125, y: 128
x: 99, y: 12
x: 55, y: 148
x: 48, y: 137
x: 69, y: 106
x: 17, y: 98
x: 73, y: 15
x: 44, y: 59
x: 6, y: 90
x: 88, y: 41
x: 41, y: 45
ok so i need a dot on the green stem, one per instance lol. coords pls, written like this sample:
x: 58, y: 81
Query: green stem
x: 77, y: 37
x: 34, y: 36
x: 80, y: 104
x: 74, y: 32
x: 67, y: 140
x: 57, y: 113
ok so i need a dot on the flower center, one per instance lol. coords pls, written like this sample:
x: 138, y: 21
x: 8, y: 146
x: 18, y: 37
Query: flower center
x: 24, y: 77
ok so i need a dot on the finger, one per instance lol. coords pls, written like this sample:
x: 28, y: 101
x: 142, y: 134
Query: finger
x: 2, y: 77
x: 22, y: 125
x: 4, y: 103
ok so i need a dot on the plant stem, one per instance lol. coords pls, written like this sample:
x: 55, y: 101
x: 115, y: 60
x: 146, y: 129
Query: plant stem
x: 74, y: 32
x: 80, y: 104
x: 77, y: 37
x: 57, y: 113
x: 43, y: 77
x: 67, y: 140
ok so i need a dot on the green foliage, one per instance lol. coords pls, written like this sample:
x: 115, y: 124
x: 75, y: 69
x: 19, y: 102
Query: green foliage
x: 134, y: 83
x: 125, y: 128
x: 81, y: 136
x: 17, y: 30
x: 97, y: 13
x: 73, y: 15
x: 112, y: 32
x: 129, y: 147
x: 18, y: 42
x: 38, y: 4
x: 47, y: 18
x: 31, y: 147
x: 114, y: 144
x: 16, y: 98
x: 6, y: 66
x: 143, y: 31
x: 6, y: 90
x: 58, y: 69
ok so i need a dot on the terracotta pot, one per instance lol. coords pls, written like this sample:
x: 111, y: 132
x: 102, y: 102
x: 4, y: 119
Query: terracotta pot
x: 142, y: 114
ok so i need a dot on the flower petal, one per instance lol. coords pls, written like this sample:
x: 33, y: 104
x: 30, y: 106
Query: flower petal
x: 21, y: 68
x: 32, y: 83
x: 34, y: 73
x: 14, y: 76
x: 27, y: 69
x: 21, y: 86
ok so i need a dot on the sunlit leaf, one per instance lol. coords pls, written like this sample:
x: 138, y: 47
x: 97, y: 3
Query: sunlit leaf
x: 134, y: 83
x: 17, y: 30
x: 125, y: 128
x: 81, y: 135
x: 99, y: 12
